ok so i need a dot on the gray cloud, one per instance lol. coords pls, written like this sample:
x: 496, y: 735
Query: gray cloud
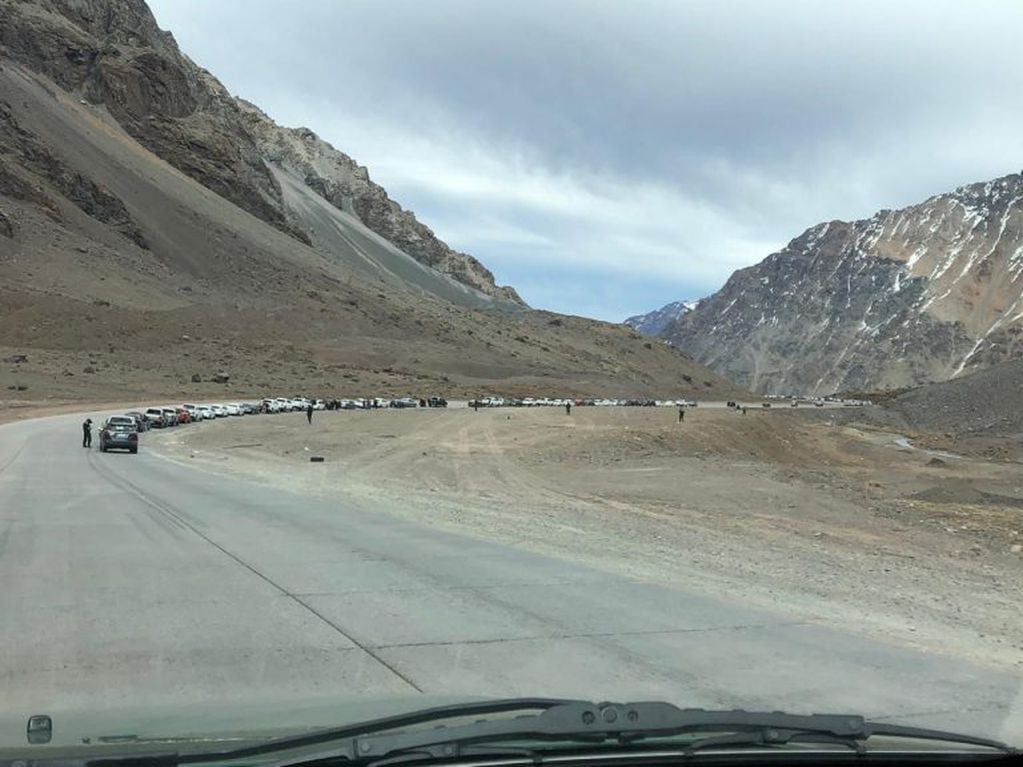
x: 677, y: 139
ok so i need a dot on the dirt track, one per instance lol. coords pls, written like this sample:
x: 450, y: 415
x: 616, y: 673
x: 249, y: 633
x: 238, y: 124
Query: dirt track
x: 835, y: 524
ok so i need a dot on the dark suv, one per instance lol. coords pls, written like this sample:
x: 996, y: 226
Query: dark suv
x: 118, y: 436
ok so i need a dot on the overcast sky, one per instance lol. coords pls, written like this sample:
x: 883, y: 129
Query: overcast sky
x: 608, y: 157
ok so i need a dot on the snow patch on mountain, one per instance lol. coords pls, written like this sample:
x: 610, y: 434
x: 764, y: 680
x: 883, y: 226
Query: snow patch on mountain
x: 655, y: 323
x: 926, y: 293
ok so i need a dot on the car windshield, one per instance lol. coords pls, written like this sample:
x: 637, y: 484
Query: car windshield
x: 577, y: 353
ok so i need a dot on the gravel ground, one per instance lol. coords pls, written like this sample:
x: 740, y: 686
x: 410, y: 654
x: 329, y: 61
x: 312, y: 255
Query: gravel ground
x: 822, y: 522
x: 989, y: 401
x: 980, y: 415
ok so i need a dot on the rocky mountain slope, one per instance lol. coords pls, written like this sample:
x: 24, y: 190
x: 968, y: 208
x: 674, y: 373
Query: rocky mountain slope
x: 112, y: 53
x: 654, y: 323
x: 987, y: 402
x: 337, y: 178
x: 922, y: 294
x: 140, y: 255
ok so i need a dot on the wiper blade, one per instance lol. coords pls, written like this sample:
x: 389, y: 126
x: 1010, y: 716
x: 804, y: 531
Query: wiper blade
x: 773, y: 737
x: 341, y: 738
x: 630, y: 722
x: 581, y: 722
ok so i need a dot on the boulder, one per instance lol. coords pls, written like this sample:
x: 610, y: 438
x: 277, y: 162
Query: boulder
x: 6, y: 226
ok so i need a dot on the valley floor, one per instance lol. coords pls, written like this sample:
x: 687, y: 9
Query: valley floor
x: 844, y: 525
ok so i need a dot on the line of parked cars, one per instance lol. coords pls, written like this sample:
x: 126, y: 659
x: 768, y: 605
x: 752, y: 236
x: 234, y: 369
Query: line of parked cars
x: 375, y: 403
x: 547, y: 402
x: 799, y: 399
x: 165, y: 417
x: 122, y: 431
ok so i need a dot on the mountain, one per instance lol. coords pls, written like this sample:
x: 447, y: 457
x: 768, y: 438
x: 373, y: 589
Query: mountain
x: 116, y: 56
x: 654, y: 323
x: 908, y: 296
x: 154, y: 231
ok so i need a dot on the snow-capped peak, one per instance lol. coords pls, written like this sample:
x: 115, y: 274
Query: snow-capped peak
x: 653, y: 323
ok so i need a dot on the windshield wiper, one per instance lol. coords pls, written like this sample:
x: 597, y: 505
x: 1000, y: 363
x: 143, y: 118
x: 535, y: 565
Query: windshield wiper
x: 383, y: 740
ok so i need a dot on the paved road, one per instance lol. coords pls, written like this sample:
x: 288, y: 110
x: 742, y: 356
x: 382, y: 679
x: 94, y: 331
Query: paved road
x: 130, y: 580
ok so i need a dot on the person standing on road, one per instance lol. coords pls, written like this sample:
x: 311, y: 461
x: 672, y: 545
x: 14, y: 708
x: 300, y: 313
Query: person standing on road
x: 87, y: 433
x: 309, y: 412
x: 744, y: 410
x: 568, y: 408
x: 681, y: 414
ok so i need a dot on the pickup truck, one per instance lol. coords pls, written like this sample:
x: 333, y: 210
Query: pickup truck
x: 155, y: 417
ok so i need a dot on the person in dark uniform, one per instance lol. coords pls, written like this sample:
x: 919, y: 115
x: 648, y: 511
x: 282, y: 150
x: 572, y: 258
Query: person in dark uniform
x: 681, y: 414
x: 309, y: 412
x: 568, y: 408
x: 87, y: 433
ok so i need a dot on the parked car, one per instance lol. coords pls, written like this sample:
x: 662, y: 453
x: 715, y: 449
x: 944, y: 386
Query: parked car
x: 141, y: 424
x: 440, y: 402
x: 118, y: 436
x: 156, y: 417
x: 170, y: 416
x: 204, y: 413
x: 219, y: 411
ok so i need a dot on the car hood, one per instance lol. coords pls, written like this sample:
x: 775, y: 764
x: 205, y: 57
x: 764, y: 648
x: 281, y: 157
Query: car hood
x: 197, y: 723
